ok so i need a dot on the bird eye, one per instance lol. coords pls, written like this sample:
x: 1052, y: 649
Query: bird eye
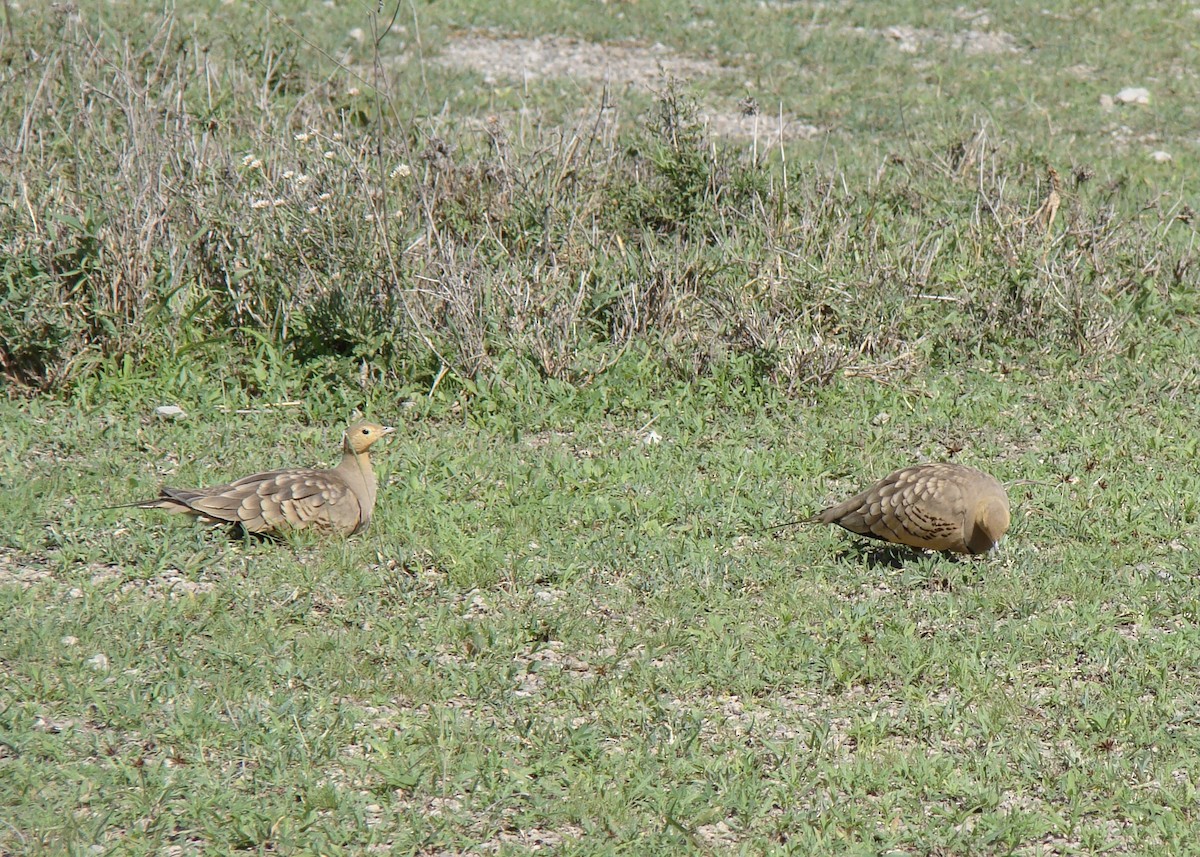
x: 366, y: 431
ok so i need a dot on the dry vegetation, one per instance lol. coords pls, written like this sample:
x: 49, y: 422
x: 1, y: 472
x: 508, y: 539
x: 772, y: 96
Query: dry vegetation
x: 167, y: 195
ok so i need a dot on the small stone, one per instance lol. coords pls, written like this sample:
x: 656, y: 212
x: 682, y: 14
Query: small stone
x: 98, y: 662
x: 1133, y: 95
x: 170, y: 412
x: 185, y: 587
x: 69, y: 640
x: 1161, y: 157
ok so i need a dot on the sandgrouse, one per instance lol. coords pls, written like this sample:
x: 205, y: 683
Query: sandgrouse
x: 338, y: 500
x: 943, y: 507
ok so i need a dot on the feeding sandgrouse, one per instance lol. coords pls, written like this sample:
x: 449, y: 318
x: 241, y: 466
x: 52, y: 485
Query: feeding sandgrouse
x: 943, y: 507
x: 337, y: 500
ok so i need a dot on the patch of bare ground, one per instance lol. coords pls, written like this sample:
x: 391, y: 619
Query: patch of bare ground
x: 26, y: 571
x: 613, y: 64
x: 171, y: 583
x: 766, y: 129
x: 556, y: 56
x: 979, y: 40
x: 916, y: 40
x: 17, y: 569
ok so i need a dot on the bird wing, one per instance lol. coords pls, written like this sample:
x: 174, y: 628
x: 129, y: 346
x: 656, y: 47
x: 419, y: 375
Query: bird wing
x: 917, y: 506
x: 277, y: 500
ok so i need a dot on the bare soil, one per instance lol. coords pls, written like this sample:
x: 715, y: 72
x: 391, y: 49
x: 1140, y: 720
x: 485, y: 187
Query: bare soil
x: 621, y: 65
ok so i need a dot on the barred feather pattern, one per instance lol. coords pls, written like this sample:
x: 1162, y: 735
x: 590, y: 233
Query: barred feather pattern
x: 943, y: 507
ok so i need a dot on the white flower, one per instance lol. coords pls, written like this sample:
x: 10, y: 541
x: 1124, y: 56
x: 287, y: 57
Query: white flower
x: 401, y: 171
x: 260, y: 203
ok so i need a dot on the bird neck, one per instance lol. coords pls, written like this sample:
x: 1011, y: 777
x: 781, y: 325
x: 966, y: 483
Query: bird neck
x: 356, y: 468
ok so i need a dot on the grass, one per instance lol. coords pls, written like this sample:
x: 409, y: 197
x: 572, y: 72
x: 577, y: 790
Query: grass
x: 555, y: 632
x: 395, y: 211
x: 620, y: 348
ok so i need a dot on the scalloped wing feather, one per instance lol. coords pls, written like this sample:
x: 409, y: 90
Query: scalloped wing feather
x: 923, y: 506
x: 274, y: 501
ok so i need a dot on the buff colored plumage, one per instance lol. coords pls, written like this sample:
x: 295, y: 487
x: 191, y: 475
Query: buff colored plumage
x: 943, y: 507
x: 337, y: 500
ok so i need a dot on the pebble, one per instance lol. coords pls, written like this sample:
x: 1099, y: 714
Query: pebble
x: 1133, y: 95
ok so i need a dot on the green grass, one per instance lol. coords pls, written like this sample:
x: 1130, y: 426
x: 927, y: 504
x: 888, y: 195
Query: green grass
x: 554, y: 630
x: 619, y: 350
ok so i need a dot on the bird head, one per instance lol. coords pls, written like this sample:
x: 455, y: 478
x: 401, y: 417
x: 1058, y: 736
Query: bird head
x: 990, y: 524
x: 359, y: 437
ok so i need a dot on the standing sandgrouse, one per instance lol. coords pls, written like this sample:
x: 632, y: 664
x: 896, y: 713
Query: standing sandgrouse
x: 943, y: 507
x: 337, y: 500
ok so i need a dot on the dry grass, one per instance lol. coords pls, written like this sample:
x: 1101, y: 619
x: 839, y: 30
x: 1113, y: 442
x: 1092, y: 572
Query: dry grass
x: 171, y: 197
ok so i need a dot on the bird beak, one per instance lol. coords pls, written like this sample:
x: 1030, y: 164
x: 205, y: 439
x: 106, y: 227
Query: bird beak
x: 387, y: 430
